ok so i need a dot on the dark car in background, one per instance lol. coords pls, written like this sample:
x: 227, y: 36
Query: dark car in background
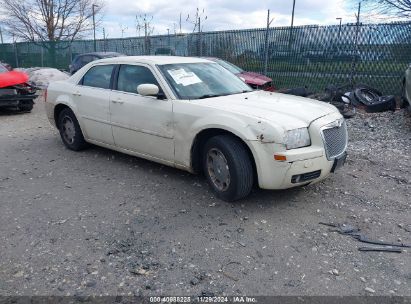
x: 254, y: 80
x: 83, y: 59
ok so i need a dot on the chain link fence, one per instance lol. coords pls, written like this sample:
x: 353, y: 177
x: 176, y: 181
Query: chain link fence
x: 313, y: 56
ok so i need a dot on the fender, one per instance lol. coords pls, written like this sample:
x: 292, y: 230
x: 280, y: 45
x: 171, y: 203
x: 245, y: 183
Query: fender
x: 247, y: 129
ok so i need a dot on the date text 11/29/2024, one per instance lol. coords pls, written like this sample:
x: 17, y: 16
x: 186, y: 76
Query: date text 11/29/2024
x: 203, y: 299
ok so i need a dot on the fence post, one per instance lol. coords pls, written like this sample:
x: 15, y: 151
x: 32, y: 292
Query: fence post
x: 354, y: 60
x: 266, y: 44
x: 42, y: 56
x: 15, y: 54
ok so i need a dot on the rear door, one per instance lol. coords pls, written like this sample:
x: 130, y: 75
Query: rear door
x: 142, y: 124
x: 92, y: 100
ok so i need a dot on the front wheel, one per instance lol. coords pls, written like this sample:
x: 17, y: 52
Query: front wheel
x: 70, y: 131
x: 228, y: 167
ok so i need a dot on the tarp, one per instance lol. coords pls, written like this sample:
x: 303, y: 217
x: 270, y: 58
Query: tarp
x: 12, y: 78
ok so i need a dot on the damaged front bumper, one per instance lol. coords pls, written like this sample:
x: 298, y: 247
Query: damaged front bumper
x: 302, y: 166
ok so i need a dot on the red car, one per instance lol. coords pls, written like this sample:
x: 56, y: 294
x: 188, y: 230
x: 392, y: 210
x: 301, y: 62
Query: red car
x: 254, y: 80
x: 15, y: 91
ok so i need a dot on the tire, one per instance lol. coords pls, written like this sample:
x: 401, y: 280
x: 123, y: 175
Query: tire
x: 366, y: 95
x: 382, y: 104
x: 235, y: 181
x: 26, y: 106
x: 354, y: 101
x: 70, y: 131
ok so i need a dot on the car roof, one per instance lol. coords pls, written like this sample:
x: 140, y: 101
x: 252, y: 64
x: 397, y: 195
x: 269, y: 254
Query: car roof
x: 152, y: 60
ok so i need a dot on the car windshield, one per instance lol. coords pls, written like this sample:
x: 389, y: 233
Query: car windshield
x: 202, y: 80
x: 229, y: 66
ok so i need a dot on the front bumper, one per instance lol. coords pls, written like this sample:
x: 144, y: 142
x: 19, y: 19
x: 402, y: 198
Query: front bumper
x: 15, y: 100
x: 303, y: 166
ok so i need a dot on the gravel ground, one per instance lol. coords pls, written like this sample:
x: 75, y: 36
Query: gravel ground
x: 99, y: 222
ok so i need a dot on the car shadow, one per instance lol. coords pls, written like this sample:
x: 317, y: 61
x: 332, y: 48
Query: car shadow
x: 156, y: 170
x: 6, y: 112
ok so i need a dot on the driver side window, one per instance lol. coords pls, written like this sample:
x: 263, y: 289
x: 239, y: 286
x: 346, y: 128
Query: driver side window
x: 131, y: 76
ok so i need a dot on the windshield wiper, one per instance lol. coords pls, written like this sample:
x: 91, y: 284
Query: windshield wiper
x: 243, y: 91
x: 218, y: 95
x: 209, y: 96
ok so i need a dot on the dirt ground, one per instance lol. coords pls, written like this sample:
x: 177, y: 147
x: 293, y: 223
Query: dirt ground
x: 99, y: 222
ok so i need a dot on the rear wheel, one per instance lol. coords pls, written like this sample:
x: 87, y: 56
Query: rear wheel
x: 228, y: 168
x: 70, y: 131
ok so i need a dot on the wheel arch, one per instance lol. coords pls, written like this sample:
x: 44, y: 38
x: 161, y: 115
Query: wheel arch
x: 60, y: 107
x: 57, y: 110
x: 203, y: 136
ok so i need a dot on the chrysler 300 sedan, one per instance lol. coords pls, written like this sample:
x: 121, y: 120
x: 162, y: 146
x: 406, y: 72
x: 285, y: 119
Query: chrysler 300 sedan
x: 192, y: 114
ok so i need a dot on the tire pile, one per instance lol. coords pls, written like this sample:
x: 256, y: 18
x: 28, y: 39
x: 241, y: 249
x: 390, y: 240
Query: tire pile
x: 371, y: 99
x: 347, y: 98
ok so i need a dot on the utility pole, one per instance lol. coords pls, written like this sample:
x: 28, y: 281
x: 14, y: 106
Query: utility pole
x: 200, y: 45
x: 292, y: 25
x: 197, y: 23
x: 15, y: 52
x: 357, y: 32
x: 292, y: 15
x: 266, y: 42
x: 94, y: 26
x: 168, y: 36
x: 1, y: 36
x: 180, y: 23
x: 104, y: 39
x: 123, y: 29
x: 145, y: 37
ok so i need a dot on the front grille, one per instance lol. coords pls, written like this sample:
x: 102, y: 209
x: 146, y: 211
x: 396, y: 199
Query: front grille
x: 335, y: 140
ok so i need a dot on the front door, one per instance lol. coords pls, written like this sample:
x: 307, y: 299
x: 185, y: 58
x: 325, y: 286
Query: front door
x: 143, y: 124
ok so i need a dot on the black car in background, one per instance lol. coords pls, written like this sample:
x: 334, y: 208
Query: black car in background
x: 81, y: 60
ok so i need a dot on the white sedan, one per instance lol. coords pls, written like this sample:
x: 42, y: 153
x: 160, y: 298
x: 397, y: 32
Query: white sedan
x: 192, y: 114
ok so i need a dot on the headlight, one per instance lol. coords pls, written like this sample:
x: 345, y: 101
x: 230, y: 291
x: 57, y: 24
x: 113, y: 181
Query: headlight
x: 297, y: 138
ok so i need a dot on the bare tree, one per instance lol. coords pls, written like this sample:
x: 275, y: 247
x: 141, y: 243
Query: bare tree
x: 388, y: 8
x: 48, y: 20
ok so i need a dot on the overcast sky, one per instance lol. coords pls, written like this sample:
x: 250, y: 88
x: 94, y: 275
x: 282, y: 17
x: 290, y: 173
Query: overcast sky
x: 221, y: 14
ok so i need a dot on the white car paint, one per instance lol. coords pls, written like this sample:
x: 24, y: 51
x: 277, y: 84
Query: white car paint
x: 165, y: 130
x: 407, y: 86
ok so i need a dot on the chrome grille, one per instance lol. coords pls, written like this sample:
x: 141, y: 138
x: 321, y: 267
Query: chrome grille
x: 335, y: 139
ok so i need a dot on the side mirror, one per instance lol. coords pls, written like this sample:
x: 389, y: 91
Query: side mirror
x: 148, y: 89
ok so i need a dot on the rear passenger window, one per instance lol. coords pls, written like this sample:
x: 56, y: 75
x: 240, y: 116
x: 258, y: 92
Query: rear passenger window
x: 98, y: 77
x: 130, y: 76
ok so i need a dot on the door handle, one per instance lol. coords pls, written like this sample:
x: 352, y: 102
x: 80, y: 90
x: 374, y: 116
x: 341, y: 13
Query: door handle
x: 77, y: 93
x: 118, y: 100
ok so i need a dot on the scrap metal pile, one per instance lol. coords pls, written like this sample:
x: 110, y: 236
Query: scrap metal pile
x: 348, y: 98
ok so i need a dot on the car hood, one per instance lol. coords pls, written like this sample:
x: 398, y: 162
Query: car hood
x: 254, y: 78
x: 12, y: 78
x: 287, y: 111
